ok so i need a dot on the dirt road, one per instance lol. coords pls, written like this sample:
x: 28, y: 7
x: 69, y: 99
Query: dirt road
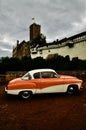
x: 43, y: 112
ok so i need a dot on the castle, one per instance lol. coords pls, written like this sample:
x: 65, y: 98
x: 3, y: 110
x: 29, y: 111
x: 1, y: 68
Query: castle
x: 23, y: 49
x: 74, y: 46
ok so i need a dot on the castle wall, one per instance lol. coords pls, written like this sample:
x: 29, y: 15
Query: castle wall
x: 79, y: 50
x: 21, y: 50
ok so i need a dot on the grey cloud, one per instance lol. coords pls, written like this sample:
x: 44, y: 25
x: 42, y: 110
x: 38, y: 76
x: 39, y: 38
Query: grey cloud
x: 58, y: 19
x: 4, y: 53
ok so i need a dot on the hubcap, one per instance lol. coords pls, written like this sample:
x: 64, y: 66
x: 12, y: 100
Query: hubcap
x: 71, y: 90
x: 25, y: 95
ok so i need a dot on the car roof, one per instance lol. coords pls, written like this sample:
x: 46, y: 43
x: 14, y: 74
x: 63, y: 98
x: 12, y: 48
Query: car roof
x: 40, y: 70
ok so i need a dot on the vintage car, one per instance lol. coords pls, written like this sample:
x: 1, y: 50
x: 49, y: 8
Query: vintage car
x: 43, y: 81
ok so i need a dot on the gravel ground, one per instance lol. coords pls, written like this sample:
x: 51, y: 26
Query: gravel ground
x: 43, y: 112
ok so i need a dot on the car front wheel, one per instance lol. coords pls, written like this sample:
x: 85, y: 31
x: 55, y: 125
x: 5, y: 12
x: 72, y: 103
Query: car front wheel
x: 25, y: 94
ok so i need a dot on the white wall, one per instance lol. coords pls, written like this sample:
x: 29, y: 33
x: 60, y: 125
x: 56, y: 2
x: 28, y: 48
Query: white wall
x: 79, y: 50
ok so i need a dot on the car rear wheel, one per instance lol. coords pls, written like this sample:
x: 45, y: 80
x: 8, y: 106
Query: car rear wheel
x: 72, y: 89
x: 25, y: 94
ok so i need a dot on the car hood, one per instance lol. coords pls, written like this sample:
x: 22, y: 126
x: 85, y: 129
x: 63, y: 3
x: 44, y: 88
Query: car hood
x: 15, y: 80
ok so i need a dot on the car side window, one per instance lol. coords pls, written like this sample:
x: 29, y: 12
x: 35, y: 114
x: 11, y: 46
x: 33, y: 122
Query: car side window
x: 48, y: 75
x: 36, y: 75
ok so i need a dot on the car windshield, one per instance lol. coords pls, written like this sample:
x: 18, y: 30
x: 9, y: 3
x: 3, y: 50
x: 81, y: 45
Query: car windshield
x: 27, y: 76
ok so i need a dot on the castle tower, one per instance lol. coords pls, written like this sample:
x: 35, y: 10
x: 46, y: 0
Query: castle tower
x: 35, y: 30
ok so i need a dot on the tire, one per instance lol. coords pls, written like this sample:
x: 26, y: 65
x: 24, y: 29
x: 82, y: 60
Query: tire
x: 25, y: 94
x: 72, y: 90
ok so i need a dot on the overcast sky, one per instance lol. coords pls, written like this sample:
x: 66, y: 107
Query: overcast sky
x: 58, y: 19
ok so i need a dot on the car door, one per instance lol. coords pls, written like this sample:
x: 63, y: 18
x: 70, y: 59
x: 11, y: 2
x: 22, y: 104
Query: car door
x: 37, y: 82
x: 49, y: 84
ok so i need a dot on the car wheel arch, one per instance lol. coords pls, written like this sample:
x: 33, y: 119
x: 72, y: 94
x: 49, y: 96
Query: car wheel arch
x: 72, y: 89
x: 28, y: 94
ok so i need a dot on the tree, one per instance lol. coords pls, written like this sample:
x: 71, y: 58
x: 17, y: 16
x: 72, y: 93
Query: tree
x: 40, y: 41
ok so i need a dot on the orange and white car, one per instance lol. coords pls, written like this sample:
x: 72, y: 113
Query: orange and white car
x: 43, y: 81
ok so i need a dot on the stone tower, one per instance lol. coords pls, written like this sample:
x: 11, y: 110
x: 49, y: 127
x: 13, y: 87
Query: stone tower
x: 35, y: 30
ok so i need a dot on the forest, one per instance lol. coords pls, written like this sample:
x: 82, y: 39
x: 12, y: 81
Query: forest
x: 57, y: 63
